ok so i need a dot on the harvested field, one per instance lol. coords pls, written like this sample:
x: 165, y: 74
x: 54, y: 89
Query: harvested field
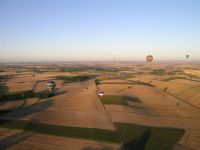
x: 72, y: 105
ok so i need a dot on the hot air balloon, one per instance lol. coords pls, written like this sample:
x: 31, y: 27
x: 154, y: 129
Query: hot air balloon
x: 187, y: 56
x: 101, y: 94
x: 149, y: 58
x: 51, y: 86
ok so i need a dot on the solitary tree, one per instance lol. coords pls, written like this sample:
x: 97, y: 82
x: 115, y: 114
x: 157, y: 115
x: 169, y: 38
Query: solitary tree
x: 96, y: 81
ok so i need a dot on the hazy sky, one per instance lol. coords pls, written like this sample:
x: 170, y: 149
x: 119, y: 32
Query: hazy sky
x: 62, y: 30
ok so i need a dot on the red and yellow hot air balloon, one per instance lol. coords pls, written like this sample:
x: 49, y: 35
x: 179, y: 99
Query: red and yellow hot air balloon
x: 149, y: 58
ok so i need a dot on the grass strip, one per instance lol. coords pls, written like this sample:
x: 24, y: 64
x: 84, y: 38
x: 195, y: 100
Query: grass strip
x: 19, y: 95
x: 2, y: 84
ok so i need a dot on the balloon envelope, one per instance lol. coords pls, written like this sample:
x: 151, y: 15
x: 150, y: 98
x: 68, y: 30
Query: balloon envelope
x: 149, y: 58
x: 51, y: 85
x: 187, y: 56
x: 101, y: 94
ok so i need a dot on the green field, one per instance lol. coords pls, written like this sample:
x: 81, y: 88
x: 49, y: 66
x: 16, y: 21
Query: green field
x: 18, y: 95
x: 79, y: 78
x: 119, y: 100
x: 137, y: 137
x: 64, y: 131
x: 2, y: 84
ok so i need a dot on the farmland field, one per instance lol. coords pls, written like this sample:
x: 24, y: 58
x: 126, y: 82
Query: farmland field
x: 141, y: 105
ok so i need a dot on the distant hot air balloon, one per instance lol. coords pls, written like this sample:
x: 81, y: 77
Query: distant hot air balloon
x: 149, y: 58
x: 187, y: 56
x: 51, y: 86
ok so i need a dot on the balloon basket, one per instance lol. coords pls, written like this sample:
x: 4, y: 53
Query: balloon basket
x: 50, y: 95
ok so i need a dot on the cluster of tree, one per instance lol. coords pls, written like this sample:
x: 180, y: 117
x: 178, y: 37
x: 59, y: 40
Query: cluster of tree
x: 1, y: 95
x: 86, y: 68
x: 1, y: 91
x: 97, y: 82
x: 74, y: 69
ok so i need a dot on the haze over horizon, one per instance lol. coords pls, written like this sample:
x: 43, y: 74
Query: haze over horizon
x: 59, y: 30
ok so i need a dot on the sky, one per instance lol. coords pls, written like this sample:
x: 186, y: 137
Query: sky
x: 89, y: 30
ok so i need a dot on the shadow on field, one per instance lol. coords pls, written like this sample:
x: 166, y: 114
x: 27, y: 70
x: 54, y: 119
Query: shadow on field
x: 101, y: 148
x: 139, y: 144
x: 12, y: 140
x: 58, y: 92
x: 28, y: 110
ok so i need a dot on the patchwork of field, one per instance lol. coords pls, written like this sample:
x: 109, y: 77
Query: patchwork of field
x: 163, y: 103
x: 145, y: 106
x: 156, y: 104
